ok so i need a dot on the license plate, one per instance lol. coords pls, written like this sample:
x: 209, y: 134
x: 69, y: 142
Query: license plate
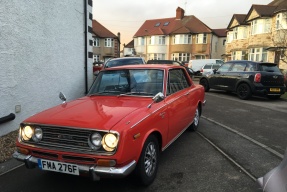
x: 274, y: 89
x: 58, y: 167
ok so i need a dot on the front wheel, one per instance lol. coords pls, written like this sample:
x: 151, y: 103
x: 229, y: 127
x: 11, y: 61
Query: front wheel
x: 195, y: 124
x: 243, y: 91
x: 148, y: 162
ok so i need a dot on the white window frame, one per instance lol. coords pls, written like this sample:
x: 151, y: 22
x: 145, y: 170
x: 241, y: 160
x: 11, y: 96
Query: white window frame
x: 229, y: 36
x: 96, y: 58
x: 260, y: 26
x: 182, y: 39
x: 281, y: 21
x: 141, y: 41
x: 201, y: 38
x: 109, y: 42
x: 157, y: 40
x: 156, y: 56
x: 181, y: 56
x: 96, y: 42
x: 238, y: 55
x: 258, y: 54
x: 200, y: 57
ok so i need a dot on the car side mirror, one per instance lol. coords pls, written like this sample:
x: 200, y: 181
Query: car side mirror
x: 62, y: 97
x: 157, y: 98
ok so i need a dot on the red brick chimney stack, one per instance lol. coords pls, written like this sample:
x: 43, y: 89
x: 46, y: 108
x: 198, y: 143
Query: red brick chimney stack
x: 179, y: 13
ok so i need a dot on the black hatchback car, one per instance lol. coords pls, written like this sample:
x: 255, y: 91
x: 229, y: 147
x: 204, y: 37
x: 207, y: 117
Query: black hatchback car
x: 246, y: 78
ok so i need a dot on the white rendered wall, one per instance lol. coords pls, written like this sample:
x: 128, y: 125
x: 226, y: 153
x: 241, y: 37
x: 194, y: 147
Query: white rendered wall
x: 41, y: 54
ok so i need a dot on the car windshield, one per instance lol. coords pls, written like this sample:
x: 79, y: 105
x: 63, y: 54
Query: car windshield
x: 143, y: 82
x: 120, y: 62
x: 269, y: 67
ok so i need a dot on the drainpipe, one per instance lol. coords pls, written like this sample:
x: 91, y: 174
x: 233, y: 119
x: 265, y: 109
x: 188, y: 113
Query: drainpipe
x: 210, y: 54
x: 86, y: 47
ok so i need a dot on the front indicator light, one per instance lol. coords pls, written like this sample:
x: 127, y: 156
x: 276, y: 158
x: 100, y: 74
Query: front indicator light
x: 109, y: 142
x: 27, y: 133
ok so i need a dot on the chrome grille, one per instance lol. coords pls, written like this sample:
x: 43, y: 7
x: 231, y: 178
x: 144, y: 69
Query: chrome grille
x: 67, y: 139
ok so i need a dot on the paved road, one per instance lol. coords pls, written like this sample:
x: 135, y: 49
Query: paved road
x: 237, y: 142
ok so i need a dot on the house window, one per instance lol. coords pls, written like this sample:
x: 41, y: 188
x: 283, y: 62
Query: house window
x: 199, y: 56
x: 109, y: 42
x: 281, y: 21
x: 258, y: 54
x: 157, y: 24
x: 166, y: 23
x: 157, y: 40
x: 180, y: 56
x: 260, y: 26
x: 229, y: 36
x: 96, y: 58
x: 96, y: 42
x: 182, y: 39
x: 239, y: 33
x: 238, y: 55
x: 141, y: 41
x: 156, y: 56
x: 200, y: 38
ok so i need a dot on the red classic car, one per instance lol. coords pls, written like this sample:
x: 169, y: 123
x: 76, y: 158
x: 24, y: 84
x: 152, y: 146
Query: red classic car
x: 129, y: 116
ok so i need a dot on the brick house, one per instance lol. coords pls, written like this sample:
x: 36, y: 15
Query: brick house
x: 178, y: 38
x: 105, y: 44
x: 259, y: 34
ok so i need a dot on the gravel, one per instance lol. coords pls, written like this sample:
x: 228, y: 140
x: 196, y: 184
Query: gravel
x: 7, y: 145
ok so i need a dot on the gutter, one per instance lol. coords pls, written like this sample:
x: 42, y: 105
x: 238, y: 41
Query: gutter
x: 86, y: 47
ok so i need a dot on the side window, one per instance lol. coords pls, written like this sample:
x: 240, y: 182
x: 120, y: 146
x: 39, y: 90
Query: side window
x: 224, y: 67
x: 238, y: 67
x: 176, y: 81
x: 249, y: 67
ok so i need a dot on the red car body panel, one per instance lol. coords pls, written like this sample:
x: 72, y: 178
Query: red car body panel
x: 127, y: 115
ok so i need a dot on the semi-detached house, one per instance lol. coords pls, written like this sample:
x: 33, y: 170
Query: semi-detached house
x: 105, y: 44
x: 178, y: 38
x: 259, y: 35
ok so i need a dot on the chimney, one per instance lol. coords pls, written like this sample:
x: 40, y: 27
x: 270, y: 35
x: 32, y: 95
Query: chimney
x: 119, y: 36
x: 179, y: 13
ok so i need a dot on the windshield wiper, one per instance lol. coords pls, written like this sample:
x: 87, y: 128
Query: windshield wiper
x: 135, y: 93
x: 103, y: 93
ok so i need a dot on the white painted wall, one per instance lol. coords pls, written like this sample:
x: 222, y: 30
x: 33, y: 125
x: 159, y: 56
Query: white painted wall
x: 41, y: 54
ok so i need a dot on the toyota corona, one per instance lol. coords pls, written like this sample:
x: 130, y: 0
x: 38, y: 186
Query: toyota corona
x: 130, y: 114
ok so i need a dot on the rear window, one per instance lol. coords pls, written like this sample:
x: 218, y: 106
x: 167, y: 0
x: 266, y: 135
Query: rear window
x: 269, y: 67
x: 207, y: 67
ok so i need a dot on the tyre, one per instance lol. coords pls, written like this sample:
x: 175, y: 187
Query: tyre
x: 205, y: 84
x: 274, y: 97
x: 244, y: 91
x: 195, y: 124
x: 147, y: 166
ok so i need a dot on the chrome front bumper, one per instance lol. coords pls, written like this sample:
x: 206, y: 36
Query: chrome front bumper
x: 95, y: 172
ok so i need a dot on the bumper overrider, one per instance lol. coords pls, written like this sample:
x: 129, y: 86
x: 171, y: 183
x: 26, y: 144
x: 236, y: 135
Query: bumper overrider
x: 95, y: 172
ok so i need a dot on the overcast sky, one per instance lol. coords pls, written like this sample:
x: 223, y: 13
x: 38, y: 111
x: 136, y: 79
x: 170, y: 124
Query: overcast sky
x: 126, y: 16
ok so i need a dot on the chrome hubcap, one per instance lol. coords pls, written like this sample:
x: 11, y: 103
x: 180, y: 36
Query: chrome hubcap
x: 150, y: 159
x: 196, y: 117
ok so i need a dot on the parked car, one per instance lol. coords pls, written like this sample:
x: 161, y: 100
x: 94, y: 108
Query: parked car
x: 114, y: 62
x: 97, y: 66
x: 130, y: 114
x: 197, y: 64
x: 208, y: 68
x: 284, y: 72
x: 276, y: 179
x: 246, y: 78
x: 190, y: 71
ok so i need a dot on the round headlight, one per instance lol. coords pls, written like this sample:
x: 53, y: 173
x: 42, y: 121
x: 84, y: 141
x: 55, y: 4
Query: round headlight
x: 96, y: 139
x: 27, y: 133
x: 110, y: 142
x: 38, y: 134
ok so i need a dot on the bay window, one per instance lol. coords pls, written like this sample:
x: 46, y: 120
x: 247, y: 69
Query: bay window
x: 96, y: 42
x: 182, y: 39
x: 109, y: 42
x: 201, y: 39
x: 258, y: 54
x: 180, y: 56
x: 260, y: 26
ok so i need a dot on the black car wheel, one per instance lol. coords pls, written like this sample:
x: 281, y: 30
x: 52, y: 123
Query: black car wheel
x: 148, y: 162
x: 195, y: 124
x: 244, y: 91
x: 205, y: 84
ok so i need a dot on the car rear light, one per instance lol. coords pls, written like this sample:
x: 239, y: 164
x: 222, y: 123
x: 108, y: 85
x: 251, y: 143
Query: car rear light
x: 201, y: 70
x: 257, y: 78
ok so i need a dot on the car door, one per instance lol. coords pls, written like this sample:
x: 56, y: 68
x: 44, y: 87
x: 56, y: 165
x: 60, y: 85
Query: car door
x: 219, y: 78
x: 179, y: 101
x: 234, y: 74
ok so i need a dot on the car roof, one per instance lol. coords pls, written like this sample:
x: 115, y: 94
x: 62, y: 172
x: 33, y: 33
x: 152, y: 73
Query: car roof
x: 125, y: 58
x: 145, y: 66
x: 258, y: 62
